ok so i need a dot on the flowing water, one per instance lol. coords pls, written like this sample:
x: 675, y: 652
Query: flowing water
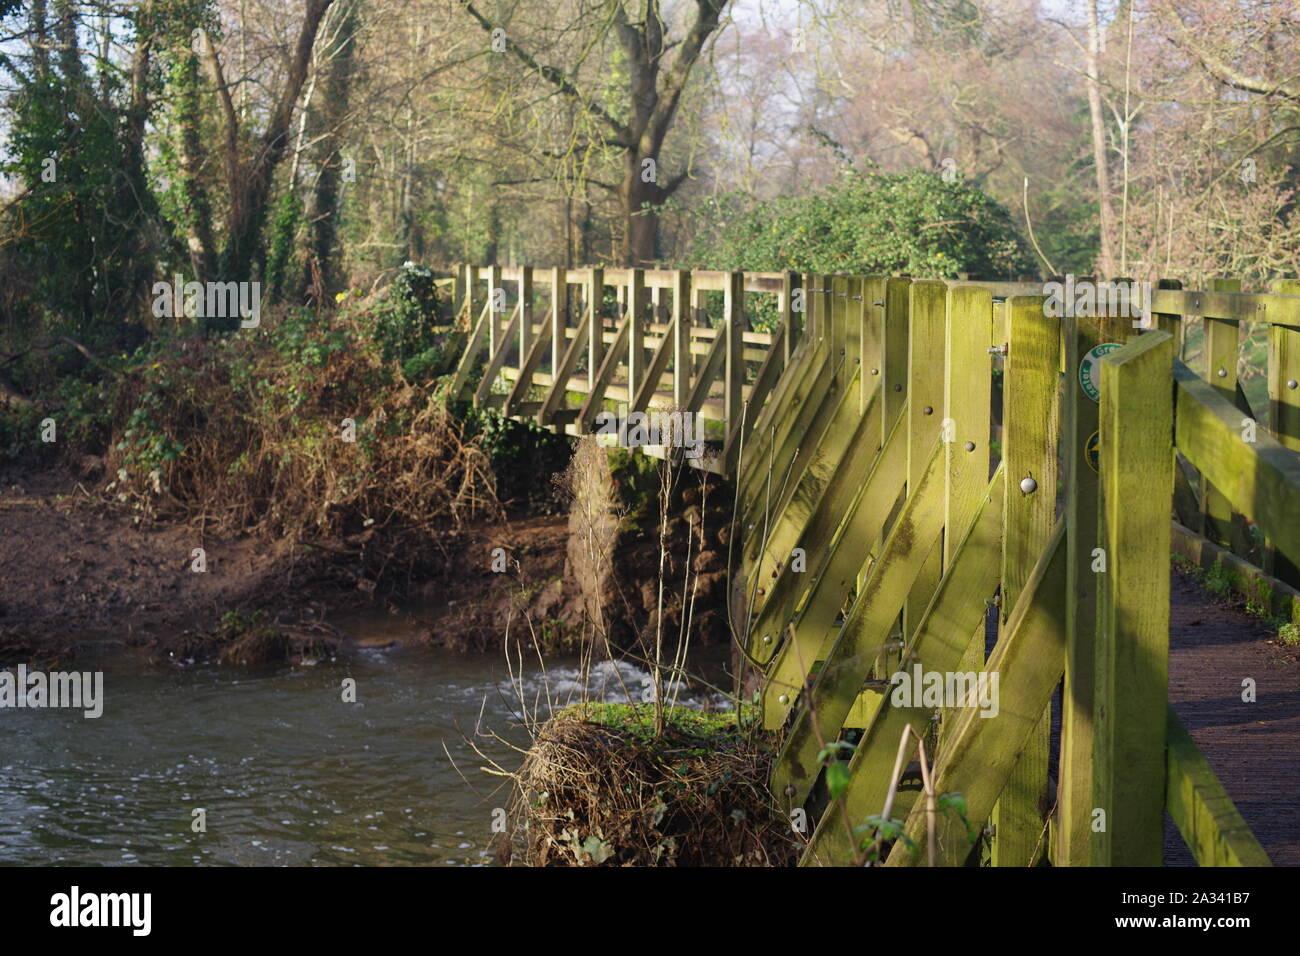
x: 286, y: 771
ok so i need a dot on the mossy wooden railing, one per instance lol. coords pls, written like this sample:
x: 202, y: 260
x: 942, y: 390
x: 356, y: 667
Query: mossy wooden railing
x: 917, y: 468
x: 559, y: 346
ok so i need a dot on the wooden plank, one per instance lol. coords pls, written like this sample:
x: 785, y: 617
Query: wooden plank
x: 469, y: 308
x: 681, y: 323
x: 866, y: 628
x: 1073, y: 835
x: 926, y: 381
x: 1262, y: 481
x: 775, y: 420
x: 790, y: 289
x: 769, y: 373
x: 1255, y: 307
x: 595, y: 295
x: 1205, y: 815
x: 1029, y: 660
x: 894, y: 349
x: 1222, y: 349
x: 1133, y: 609
x: 637, y: 311
x: 708, y: 373
x: 967, y: 406
x: 553, y: 403
x: 525, y: 379
x: 496, y: 305
x: 808, y: 522
x: 654, y: 373
x: 1284, y: 406
x: 594, y: 401
x: 498, y: 359
x: 1030, y: 435
x: 733, y: 317
x: 939, y: 644
x: 786, y: 461
x: 473, y: 347
x: 851, y: 511
x: 559, y: 317
x: 525, y: 312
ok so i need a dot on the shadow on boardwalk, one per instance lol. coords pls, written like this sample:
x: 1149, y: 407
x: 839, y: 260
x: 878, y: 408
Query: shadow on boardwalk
x: 1254, y: 748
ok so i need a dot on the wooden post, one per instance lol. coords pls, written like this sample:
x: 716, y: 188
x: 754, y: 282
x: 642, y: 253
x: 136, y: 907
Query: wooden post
x: 636, y: 313
x: 1221, y: 347
x: 1133, y: 610
x: 926, y: 377
x: 494, y: 314
x: 457, y: 292
x: 1030, y: 436
x: 471, y: 281
x: 559, y: 318
x: 525, y: 313
x: 683, y: 319
x: 1074, y: 786
x: 733, y: 317
x: 790, y: 287
x: 1284, y: 404
x: 595, y: 295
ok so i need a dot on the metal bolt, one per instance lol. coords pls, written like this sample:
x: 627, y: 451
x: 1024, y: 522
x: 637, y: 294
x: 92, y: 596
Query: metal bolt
x: 790, y: 790
x: 928, y: 410
x: 784, y: 698
x: 881, y: 302
x: 875, y: 371
x: 898, y: 388
x: 1292, y: 383
x: 1223, y: 373
x: 767, y: 638
x: 841, y: 351
x: 1028, y: 485
x: 970, y: 446
x: 761, y: 592
x: 997, y: 350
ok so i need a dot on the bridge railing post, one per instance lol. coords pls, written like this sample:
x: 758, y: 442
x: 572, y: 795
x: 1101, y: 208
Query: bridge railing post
x: 683, y: 319
x: 1136, y: 466
x: 733, y: 327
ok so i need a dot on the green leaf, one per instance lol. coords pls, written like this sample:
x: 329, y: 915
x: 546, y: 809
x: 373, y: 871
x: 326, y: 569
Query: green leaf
x: 837, y: 779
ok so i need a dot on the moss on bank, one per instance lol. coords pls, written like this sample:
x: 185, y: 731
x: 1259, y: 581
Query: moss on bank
x: 599, y: 787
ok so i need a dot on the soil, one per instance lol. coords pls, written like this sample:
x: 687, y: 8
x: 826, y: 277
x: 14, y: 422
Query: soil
x: 78, y: 570
x: 75, y: 570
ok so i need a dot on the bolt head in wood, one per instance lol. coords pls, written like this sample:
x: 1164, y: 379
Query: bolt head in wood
x: 1028, y: 485
x: 875, y: 371
x: 1223, y: 373
x: 784, y: 698
x: 898, y: 388
x: 970, y: 446
x: 767, y: 638
x: 928, y: 410
x: 1292, y: 383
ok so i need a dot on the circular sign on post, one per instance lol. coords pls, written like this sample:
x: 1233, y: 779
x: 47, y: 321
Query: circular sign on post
x: 1092, y: 451
x: 1090, y: 369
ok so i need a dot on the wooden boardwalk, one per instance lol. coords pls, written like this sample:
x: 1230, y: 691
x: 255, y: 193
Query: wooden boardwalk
x: 1254, y: 748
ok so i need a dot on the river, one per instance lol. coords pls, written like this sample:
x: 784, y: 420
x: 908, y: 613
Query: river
x: 286, y: 772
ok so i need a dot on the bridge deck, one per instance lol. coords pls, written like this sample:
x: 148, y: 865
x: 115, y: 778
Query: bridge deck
x: 1254, y: 749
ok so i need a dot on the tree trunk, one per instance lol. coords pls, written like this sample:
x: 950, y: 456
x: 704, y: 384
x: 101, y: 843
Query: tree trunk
x: 1106, y: 213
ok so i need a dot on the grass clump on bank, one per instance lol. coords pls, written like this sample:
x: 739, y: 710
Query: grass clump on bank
x: 598, y: 786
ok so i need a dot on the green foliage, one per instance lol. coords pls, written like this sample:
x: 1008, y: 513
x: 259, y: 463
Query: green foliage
x: 909, y: 222
x: 404, y: 325
x: 285, y: 223
x: 520, y: 454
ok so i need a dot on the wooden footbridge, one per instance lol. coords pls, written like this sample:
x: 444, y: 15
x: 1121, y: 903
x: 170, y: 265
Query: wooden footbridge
x: 946, y: 479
